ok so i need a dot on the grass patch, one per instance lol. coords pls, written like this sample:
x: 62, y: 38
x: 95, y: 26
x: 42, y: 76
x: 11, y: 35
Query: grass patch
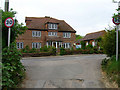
x: 111, y: 67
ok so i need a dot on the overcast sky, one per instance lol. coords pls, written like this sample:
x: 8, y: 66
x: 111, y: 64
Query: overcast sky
x: 85, y: 16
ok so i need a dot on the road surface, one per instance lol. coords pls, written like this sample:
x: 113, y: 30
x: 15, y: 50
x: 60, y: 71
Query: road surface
x: 72, y: 71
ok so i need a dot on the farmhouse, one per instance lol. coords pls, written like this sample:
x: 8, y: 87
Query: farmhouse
x: 46, y: 31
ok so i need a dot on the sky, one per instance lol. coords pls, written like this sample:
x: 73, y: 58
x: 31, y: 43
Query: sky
x: 85, y: 16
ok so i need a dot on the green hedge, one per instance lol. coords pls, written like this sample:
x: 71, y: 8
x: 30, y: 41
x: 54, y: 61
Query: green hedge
x: 37, y: 54
x: 80, y: 51
x: 12, y: 69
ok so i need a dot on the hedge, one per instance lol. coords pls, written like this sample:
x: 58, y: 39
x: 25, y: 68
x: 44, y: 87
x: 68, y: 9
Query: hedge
x: 37, y: 54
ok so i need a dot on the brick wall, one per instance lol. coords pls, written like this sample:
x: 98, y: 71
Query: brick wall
x: 27, y: 38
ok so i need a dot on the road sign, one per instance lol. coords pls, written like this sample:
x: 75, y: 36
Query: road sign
x: 116, y: 20
x: 9, y: 22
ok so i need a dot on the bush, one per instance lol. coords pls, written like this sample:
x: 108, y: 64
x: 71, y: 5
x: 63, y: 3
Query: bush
x: 83, y: 44
x: 25, y: 50
x: 33, y: 50
x: 91, y: 51
x: 44, y: 49
x: 62, y: 51
x: 12, y: 69
x: 89, y: 46
x: 109, y: 43
x: 53, y: 51
x: 69, y: 52
x: 37, y: 54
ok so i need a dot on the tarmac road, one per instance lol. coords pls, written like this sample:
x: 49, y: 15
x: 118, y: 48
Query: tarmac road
x: 71, y: 71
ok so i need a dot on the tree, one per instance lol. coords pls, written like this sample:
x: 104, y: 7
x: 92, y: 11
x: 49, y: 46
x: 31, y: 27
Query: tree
x: 12, y: 69
x: 109, y: 42
x: 16, y: 29
x: 78, y: 37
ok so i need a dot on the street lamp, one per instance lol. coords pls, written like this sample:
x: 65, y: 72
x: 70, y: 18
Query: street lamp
x: 117, y: 27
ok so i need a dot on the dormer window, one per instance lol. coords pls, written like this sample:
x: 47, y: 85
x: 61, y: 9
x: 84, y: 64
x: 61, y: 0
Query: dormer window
x: 52, y: 26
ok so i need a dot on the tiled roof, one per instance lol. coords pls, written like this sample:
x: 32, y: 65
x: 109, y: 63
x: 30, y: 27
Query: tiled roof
x: 78, y: 41
x: 94, y: 35
x: 39, y: 23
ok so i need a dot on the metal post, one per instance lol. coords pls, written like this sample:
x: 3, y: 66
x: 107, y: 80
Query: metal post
x: 6, y: 5
x: 117, y: 28
x: 9, y: 37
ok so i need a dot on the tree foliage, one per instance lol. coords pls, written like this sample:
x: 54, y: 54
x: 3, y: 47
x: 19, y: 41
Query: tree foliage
x: 12, y: 68
x: 16, y: 29
x: 109, y: 42
x: 78, y: 37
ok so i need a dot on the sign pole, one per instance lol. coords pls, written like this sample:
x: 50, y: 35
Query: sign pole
x: 9, y: 23
x: 117, y: 29
x: 117, y: 42
x: 9, y: 37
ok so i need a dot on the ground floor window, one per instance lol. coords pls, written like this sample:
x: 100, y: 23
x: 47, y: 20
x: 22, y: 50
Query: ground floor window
x: 19, y: 45
x: 36, y: 45
x: 66, y: 45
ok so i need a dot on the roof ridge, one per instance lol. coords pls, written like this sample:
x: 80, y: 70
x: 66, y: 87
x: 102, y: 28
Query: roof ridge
x: 96, y: 32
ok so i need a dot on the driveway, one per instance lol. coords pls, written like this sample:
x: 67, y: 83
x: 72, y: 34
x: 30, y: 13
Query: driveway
x: 72, y: 71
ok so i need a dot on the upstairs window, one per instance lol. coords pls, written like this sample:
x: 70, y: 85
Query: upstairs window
x: 67, y: 35
x: 36, y: 33
x: 52, y: 26
x: 52, y: 33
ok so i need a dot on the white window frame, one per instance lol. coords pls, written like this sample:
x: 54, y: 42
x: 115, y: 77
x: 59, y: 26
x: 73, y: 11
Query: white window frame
x: 52, y: 26
x: 52, y: 33
x: 20, y: 45
x: 66, y: 45
x: 36, y: 45
x: 36, y: 33
x: 66, y: 35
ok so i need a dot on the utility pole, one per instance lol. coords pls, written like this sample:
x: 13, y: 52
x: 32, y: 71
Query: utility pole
x: 117, y: 29
x: 6, y: 5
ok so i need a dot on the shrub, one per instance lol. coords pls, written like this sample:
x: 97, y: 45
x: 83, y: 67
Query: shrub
x: 12, y: 68
x: 62, y: 51
x: 33, y: 50
x: 91, y: 51
x: 44, y: 49
x: 69, y: 52
x: 37, y: 54
x: 83, y: 44
x: 109, y: 43
x: 53, y: 51
x: 25, y: 50
x: 89, y: 46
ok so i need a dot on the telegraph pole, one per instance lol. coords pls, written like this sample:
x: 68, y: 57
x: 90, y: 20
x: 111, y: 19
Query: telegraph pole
x: 117, y: 29
x: 6, y: 5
